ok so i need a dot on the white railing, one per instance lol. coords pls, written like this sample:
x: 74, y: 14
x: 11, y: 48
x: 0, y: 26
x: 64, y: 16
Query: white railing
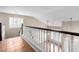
x: 47, y: 40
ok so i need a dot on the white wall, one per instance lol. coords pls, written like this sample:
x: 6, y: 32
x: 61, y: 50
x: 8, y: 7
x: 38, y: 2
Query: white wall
x: 72, y: 26
x: 13, y: 32
x: 31, y: 21
x: 4, y: 18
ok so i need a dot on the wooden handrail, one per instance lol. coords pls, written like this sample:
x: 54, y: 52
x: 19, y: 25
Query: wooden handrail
x: 64, y: 32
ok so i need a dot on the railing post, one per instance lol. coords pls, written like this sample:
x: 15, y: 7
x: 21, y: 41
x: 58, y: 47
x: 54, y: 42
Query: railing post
x: 62, y: 40
x: 49, y: 41
x: 22, y: 29
x: 41, y: 41
x: 53, y: 43
x: 72, y: 38
x: 44, y: 40
x: 58, y: 44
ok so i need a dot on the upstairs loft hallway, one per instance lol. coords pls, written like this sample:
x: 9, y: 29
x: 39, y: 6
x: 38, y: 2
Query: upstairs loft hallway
x: 45, y: 42
x: 45, y: 29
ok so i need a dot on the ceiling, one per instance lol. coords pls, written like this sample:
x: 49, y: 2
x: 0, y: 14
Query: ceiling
x: 54, y: 14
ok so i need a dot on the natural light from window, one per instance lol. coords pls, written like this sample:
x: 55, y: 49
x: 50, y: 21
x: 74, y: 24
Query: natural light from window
x: 15, y: 22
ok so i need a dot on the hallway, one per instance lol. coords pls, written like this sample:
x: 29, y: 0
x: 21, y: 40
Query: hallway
x: 15, y: 45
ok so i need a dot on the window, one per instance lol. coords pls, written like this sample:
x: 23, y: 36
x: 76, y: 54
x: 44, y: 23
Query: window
x: 15, y: 22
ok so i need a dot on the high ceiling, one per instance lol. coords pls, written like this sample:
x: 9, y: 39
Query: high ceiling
x: 54, y: 14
